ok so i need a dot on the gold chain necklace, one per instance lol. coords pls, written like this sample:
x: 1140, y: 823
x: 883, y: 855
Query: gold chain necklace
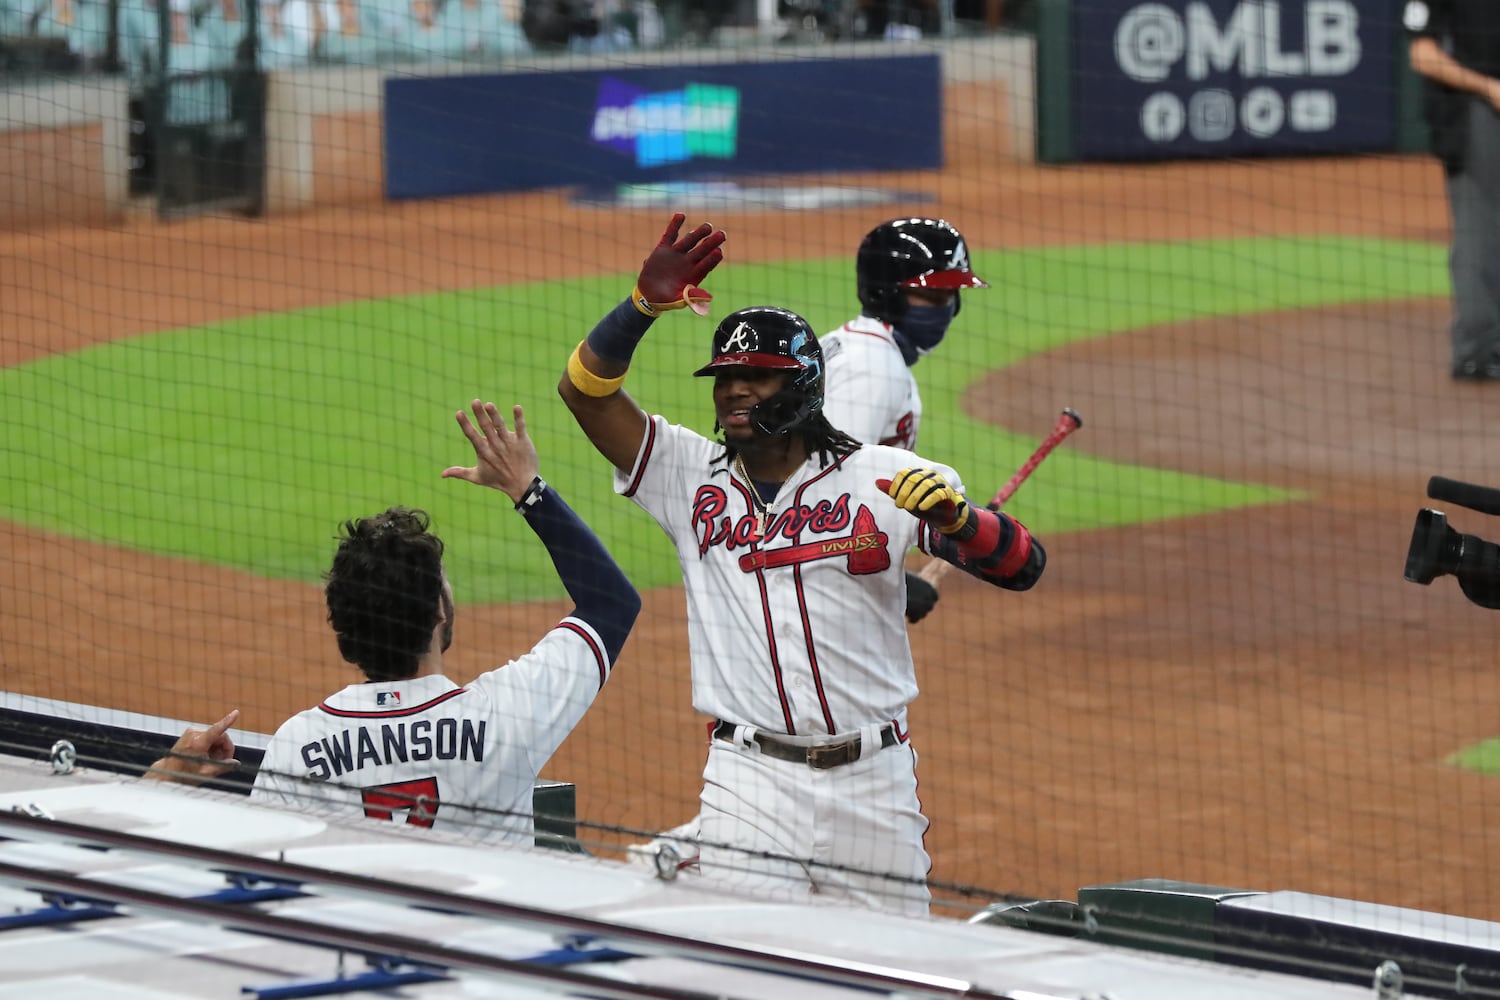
x: 763, y: 510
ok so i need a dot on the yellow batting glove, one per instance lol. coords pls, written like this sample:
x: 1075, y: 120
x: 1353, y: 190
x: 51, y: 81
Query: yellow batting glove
x: 927, y: 495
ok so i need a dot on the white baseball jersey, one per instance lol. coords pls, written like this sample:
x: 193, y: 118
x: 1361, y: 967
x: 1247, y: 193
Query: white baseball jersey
x: 424, y: 750
x: 795, y: 626
x: 870, y: 393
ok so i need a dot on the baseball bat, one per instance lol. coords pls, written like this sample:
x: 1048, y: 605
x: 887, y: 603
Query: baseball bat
x: 1067, y: 422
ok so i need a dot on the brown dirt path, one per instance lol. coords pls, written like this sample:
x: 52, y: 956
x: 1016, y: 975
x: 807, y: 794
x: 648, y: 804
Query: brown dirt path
x: 1252, y: 698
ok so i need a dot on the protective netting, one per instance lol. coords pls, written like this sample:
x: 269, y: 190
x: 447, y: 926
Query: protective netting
x: 251, y: 272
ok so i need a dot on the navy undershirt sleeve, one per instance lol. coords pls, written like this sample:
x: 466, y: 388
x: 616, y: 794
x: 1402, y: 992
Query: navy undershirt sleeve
x: 614, y: 338
x: 603, y: 596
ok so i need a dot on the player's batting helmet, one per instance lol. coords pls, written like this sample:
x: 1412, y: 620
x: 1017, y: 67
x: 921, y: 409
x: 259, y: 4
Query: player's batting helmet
x: 910, y: 253
x: 768, y: 337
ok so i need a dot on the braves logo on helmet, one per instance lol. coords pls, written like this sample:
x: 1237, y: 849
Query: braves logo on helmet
x: 738, y: 340
x: 959, y: 261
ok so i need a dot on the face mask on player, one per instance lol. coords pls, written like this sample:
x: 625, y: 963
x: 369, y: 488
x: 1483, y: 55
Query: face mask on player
x: 923, y: 327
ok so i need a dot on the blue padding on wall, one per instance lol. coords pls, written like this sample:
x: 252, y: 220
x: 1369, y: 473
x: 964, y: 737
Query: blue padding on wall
x: 507, y: 132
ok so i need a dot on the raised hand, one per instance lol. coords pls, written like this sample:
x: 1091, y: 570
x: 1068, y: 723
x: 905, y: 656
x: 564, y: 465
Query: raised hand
x: 671, y: 273
x: 505, y: 459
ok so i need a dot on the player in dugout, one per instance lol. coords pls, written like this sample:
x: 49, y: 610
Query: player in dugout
x: 408, y: 743
x: 790, y: 535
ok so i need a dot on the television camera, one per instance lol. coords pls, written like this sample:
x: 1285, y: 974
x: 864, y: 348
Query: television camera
x: 1439, y: 550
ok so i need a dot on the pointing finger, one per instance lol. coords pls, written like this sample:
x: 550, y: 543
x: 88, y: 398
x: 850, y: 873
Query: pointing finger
x: 218, y: 728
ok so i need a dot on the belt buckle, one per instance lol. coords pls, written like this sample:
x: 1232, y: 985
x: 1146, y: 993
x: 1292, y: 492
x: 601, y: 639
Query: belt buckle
x: 832, y: 754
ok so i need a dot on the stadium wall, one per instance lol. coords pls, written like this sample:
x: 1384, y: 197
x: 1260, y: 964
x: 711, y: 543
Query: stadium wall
x: 325, y: 137
x: 64, y: 153
x: 64, y: 145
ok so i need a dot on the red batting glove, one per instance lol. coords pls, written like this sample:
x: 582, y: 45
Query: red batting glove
x: 670, y: 274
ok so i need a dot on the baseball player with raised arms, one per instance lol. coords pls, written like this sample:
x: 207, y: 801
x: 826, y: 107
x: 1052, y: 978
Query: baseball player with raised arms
x: 410, y: 745
x: 790, y: 535
x: 908, y: 275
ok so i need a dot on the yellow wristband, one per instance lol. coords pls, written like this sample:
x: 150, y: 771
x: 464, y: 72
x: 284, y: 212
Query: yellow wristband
x: 646, y: 307
x: 693, y: 298
x: 642, y: 306
x: 586, y: 381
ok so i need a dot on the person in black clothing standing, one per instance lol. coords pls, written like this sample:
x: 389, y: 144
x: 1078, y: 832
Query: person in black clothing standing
x: 1455, y: 45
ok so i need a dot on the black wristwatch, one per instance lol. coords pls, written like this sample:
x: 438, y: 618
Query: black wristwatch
x: 533, y: 494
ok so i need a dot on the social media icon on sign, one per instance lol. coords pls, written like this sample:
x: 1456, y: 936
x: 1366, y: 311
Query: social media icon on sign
x: 1148, y: 40
x: 1211, y: 115
x: 1313, y: 110
x: 1162, y: 117
x: 1262, y: 112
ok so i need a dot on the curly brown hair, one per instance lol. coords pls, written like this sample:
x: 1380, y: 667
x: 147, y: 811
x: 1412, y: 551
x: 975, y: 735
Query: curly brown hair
x: 385, y: 592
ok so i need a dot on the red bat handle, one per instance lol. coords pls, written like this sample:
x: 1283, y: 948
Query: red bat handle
x: 1066, y: 424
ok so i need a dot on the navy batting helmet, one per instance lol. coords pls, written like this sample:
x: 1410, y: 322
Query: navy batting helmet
x: 779, y: 339
x: 910, y: 253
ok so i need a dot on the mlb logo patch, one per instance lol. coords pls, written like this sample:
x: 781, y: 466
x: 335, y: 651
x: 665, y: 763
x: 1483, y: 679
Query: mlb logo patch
x: 388, y: 699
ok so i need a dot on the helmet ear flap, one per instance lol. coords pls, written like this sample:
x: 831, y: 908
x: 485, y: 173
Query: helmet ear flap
x: 883, y: 302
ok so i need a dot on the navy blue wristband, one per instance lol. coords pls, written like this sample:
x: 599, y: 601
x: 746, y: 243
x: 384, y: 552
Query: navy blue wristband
x: 614, y: 338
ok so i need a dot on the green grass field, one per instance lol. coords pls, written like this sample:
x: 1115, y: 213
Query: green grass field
x: 1483, y: 757
x: 245, y: 443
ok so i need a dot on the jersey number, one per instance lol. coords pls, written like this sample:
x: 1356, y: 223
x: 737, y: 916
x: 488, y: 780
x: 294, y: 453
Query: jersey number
x: 905, y: 436
x: 418, y: 798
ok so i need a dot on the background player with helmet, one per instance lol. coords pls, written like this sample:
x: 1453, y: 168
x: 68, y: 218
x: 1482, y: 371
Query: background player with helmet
x: 408, y: 743
x: 908, y: 274
x: 790, y: 536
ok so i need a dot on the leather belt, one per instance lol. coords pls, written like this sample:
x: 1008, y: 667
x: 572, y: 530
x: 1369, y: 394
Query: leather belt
x: 820, y: 756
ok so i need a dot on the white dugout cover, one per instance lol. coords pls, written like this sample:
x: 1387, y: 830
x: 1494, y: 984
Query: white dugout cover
x: 152, y: 864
